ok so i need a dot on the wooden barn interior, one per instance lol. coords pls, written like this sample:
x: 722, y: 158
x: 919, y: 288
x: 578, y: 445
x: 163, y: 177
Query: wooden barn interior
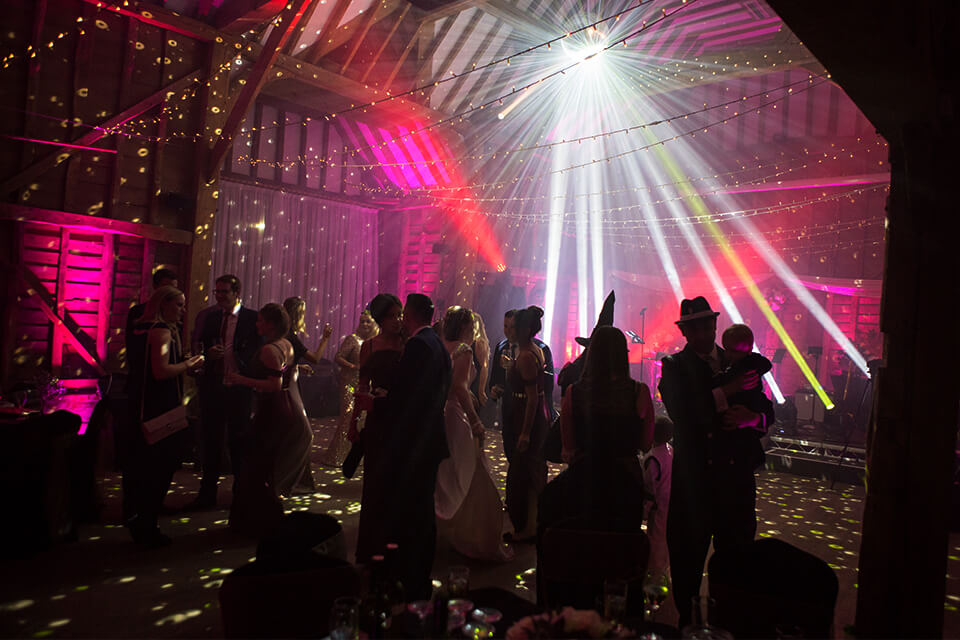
x: 787, y: 160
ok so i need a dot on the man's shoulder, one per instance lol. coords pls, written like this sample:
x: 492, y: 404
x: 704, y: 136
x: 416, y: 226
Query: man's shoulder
x: 247, y: 312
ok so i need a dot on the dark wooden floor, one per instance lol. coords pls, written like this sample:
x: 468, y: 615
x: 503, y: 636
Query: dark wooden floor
x: 103, y: 586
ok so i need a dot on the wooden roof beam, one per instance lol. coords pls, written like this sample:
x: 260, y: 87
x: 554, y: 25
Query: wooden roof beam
x: 237, y: 16
x: 386, y: 41
x: 313, y: 53
x: 286, y: 26
x: 104, y: 129
x: 23, y: 213
x: 450, y: 9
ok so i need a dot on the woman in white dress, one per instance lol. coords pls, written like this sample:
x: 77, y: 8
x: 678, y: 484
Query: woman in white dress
x: 466, y: 498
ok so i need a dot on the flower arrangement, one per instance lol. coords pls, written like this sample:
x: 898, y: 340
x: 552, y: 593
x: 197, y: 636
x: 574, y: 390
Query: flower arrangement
x: 568, y: 623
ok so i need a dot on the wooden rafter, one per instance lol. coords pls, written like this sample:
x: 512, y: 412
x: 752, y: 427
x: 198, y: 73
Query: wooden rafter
x: 237, y: 16
x: 64, y: 324
x: 337, y: 37
x: 293, y: 67
x: 285, y: 27
x: 314, y: 52
x: 403, y: 56
x: 23, y: 213
x: 513, y: 16
x: 298, y: 33
x: 358, y: 39
x: 450, y: 9
x: 427, y: 56
x: 386, y: 41
x: 163, y: 18
x: 454, y: 89
x: 441, y: 71
x: 62, y: 153
x: 290, y: 67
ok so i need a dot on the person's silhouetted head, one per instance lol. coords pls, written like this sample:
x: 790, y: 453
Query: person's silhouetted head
x: 527, y: 323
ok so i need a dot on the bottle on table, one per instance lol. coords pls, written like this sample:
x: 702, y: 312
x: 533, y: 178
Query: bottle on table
x: 376, y: 613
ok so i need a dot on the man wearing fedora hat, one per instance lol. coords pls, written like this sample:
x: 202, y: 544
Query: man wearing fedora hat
x: 713, y: 493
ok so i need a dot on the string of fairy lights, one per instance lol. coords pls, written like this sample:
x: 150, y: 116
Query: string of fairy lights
x: 170, y: 105
x: 318, y: 162
x: 717, y: 217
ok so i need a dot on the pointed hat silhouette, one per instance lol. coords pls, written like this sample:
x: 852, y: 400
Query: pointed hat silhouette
x: 605, y: 319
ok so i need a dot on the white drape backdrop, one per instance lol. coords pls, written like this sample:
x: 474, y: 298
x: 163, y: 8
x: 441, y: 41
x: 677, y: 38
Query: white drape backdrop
x: 283, y: 245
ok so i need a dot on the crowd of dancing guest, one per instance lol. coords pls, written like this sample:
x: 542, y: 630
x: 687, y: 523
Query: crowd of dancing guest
x: 411, y: 389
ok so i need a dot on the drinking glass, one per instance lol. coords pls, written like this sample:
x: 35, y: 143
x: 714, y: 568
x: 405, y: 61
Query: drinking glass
x: 421, y: 609
x: 345, y: 619
x: 614, y: 600
x: 487, y: 615
x: 700, y: 627
x: 458, y: 581
x: 458, y: 608
x: 656, y: 587
x: 478, y: 630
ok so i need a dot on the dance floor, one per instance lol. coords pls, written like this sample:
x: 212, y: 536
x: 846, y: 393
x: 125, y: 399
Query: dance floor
x: 103, y: 586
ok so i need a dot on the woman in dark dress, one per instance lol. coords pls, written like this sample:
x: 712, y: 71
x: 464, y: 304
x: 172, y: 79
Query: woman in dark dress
x: 527, y: 474
x: 281, y: 433
x: 156, y: 383
x: 379, y: 357
x: 606, y: 419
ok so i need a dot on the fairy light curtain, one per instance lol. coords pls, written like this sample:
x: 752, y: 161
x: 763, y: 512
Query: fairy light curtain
x: 283, y: 245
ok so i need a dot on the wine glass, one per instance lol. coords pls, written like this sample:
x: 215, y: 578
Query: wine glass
x: 345, y: 619
x: 459, y: 608
x: 421, y: 609
x: 483, y: 622
x: 487, y: 615
x: 656, y: 586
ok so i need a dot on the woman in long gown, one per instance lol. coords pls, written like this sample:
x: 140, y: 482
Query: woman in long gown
x: 281, y: 435
x: 466, y: 496
x: 296, y: 308
x: 156, y: 378
x: 527, y: 474
x: 379, y: 357
x: 348, y: 374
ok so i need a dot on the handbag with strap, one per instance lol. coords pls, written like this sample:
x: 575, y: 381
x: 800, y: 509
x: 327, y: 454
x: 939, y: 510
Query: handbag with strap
x: 168, y: 422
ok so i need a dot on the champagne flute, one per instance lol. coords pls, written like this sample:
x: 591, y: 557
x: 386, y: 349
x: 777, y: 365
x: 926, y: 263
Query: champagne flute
x: 656, y: 587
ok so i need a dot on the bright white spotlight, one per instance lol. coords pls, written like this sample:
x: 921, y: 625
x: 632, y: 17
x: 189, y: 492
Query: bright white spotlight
x: 587, y: 49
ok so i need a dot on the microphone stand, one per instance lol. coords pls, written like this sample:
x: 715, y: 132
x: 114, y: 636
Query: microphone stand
x: 643, y: 339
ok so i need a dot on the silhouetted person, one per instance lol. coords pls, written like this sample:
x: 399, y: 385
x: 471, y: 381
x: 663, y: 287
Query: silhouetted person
x: 230, y: 340
x: 713, y: 493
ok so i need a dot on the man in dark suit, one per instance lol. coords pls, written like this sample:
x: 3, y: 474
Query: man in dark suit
x: 503, y: 358
x: 713, y: 493
x: 416, y: 400
x: 229, y: 339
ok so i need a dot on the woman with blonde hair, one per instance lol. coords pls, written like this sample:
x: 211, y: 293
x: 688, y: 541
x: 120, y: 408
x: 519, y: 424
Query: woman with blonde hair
x: 348, y: 366
x: 156, y: 386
